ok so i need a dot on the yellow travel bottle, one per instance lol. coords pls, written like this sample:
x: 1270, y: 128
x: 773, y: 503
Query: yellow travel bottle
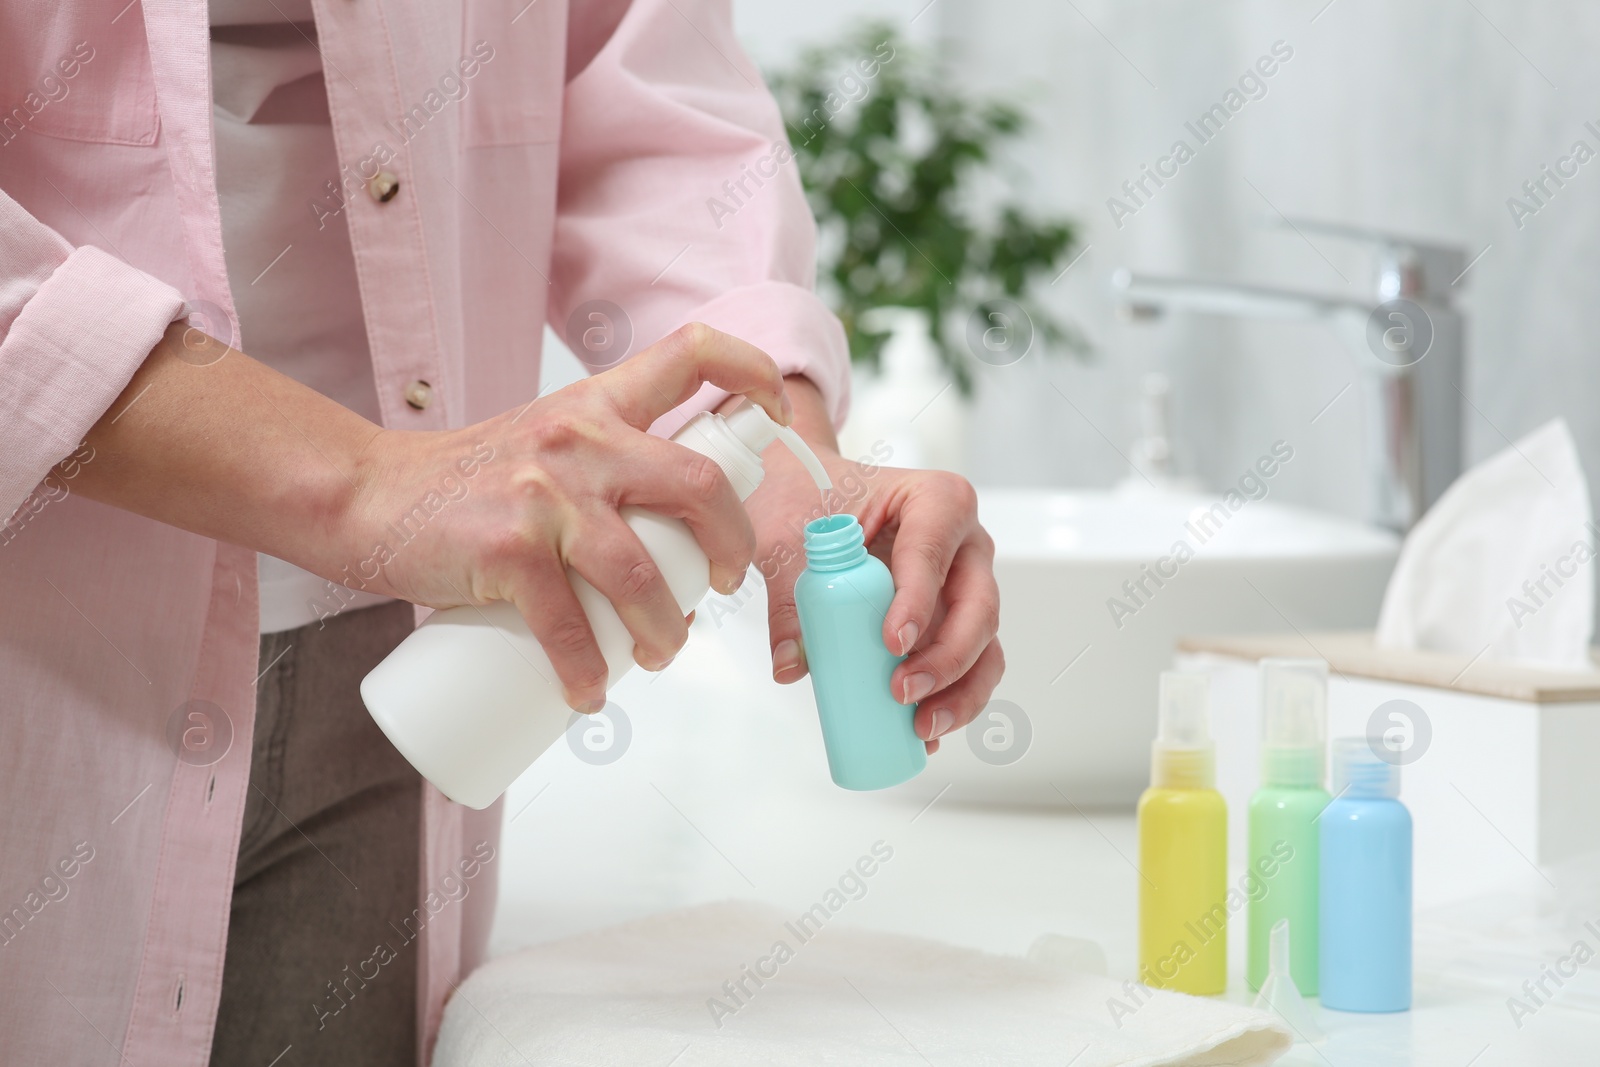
x: 1183, y: 849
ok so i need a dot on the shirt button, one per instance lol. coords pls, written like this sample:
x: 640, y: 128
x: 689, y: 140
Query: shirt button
x: 419, y: 394
x: 383, y: 186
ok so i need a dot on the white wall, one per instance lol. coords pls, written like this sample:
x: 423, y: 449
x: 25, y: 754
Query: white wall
x: 774, y: 33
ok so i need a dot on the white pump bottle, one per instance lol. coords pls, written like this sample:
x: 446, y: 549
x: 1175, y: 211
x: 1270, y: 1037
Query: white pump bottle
x: 471, y: 699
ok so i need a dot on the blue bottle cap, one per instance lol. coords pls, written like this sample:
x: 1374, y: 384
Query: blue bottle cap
x: 1358, y: 772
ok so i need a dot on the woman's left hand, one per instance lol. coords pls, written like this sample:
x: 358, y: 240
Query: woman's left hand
x: 946, y: 608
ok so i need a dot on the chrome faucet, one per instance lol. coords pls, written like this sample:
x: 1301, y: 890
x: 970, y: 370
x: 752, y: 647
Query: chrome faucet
x: 1408, y: 339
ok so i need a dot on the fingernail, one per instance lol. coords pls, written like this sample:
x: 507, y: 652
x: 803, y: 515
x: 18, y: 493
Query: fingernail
x: 908, y: 638
x: 787, y: 407
x: 591, y: 706
x: 943, y: 719
x: 917, y: 686
x: 785, y: 658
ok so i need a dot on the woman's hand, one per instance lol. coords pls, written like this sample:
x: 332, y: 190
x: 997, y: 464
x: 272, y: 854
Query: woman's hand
x: 499, y: 510
x: 924, y: 525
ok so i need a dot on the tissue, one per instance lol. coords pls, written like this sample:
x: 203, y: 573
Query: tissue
x: 1501, y: 567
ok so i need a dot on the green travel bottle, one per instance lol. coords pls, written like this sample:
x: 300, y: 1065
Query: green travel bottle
x: 1283, y: 812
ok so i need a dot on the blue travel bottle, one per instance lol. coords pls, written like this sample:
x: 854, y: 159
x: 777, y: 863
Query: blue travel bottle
x: 1365, y: 885
x: 842, y: 598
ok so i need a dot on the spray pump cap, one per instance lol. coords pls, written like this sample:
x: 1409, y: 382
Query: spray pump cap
x: 1183, y: 754
x: 1358, y: 771
x: 1294, y: 721
x: 735, y: 442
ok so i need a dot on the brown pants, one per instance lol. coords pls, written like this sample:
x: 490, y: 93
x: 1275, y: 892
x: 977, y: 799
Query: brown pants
x: 328, y: 858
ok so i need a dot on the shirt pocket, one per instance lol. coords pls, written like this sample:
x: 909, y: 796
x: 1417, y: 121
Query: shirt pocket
x: 77, y: 71
x: 520, y: 53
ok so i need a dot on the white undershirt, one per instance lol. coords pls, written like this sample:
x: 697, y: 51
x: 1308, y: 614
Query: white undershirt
x: 292, y: 274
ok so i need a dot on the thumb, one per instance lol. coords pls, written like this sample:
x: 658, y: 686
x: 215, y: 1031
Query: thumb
x: 783, y: 621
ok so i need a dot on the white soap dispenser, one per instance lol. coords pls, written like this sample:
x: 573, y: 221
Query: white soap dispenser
x: 471, y: 699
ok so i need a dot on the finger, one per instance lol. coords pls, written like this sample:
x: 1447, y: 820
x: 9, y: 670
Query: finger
x: 779, y: 569
x: 545, y: 598
x: 680, y: 483
x: 672, y: 370
x: 610, y: 557
x: 959, y: 704
x: 934, y: 522
x: 972, y: 618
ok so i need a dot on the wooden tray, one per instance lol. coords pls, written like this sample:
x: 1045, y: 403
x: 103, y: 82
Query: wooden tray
x: 1352, y: 653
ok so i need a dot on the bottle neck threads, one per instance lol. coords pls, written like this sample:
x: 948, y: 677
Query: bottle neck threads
x: 1292, y: 767
x: 1182, y: 768
x: 1358, y: 770
x: 834, y: 543
x: 1371, y: 780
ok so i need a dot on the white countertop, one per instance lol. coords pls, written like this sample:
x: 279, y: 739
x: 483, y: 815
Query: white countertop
x: 723, y: 792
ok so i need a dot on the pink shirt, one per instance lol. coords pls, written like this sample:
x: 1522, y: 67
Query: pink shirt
x: 572, y: 163
x: 273, y: 139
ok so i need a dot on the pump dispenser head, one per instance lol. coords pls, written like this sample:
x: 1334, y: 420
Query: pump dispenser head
x: 1294, y: 721
x: 735, y: 442
x: 1183, y: 756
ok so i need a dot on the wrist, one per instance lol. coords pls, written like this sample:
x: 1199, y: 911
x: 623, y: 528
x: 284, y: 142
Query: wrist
x: 344, y: 517
x: 811, y: 419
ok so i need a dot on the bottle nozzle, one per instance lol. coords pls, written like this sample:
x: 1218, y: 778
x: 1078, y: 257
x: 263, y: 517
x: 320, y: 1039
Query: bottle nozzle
x: 1185, y: 700
x: 1183, y: 749
x: 1294, y: 721
x: 756, y: 429
x: 736, y: 440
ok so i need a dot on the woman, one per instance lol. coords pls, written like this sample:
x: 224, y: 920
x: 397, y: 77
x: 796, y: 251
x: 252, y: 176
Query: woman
x: 270, y: 274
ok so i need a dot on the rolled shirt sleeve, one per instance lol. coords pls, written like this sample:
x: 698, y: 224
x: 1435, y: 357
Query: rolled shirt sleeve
x: 679, y: 200
x: 77, y: 323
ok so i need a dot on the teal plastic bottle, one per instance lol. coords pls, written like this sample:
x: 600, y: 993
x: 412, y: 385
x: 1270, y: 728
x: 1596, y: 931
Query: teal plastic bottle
x: 1283, y: 849
x: 842, y: 598
x: 1365, y: 885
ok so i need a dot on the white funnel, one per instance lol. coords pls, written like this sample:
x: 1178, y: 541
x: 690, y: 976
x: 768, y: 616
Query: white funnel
x: 1280, y: 995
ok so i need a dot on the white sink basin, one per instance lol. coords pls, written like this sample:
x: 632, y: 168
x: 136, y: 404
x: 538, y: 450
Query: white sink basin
x: 1083, y: 677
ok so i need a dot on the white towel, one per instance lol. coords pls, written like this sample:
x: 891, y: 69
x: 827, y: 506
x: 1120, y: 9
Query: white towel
x: 710, y: 986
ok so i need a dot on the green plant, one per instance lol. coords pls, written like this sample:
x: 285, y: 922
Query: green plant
x: 895, y: 159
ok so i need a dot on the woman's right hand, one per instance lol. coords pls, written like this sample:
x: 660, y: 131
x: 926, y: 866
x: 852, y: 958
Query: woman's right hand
x: 499, y: 510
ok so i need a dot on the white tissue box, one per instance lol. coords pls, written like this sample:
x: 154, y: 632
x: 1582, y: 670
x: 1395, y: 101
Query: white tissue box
x: 1501, y: 772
